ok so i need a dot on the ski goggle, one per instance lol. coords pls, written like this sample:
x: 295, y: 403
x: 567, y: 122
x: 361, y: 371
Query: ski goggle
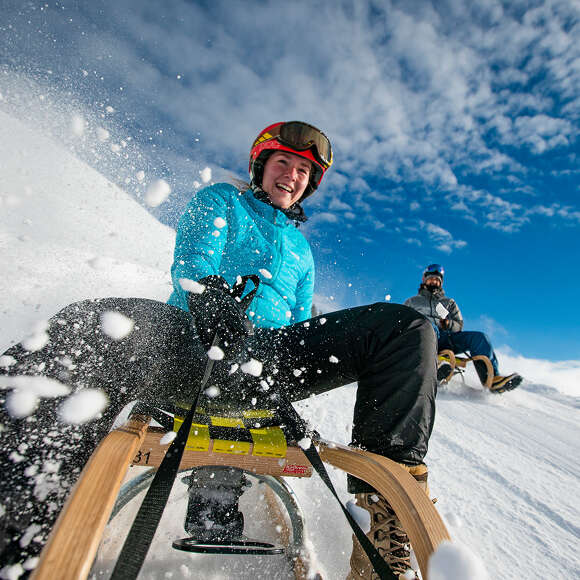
x: 302, y: 137
x: 434, y: 269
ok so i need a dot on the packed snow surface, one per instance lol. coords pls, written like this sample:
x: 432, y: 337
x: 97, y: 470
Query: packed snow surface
x: 505, y: 469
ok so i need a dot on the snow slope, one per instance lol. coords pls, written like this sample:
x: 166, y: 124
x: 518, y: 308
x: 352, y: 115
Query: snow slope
x: 67, y: 234
x: 504, y: 468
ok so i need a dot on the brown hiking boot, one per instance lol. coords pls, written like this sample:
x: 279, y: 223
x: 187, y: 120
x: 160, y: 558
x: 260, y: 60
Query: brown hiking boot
x: 386, y: 533
x: 501, y: 384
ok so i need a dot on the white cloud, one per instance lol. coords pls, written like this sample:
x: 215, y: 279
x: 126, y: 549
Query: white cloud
x: 442, y: 238
x: 338, y: 205
x: 422, y: 92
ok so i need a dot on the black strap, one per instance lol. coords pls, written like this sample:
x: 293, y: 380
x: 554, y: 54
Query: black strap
x: 138, y: 541
x: 297, y: 427
x: 380, y: 566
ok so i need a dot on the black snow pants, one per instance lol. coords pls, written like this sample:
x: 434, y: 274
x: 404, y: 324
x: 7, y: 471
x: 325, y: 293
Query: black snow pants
x: 388, y: 349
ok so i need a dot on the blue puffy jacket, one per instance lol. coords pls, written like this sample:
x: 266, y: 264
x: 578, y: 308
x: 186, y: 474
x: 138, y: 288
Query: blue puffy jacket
x: 231, y: 233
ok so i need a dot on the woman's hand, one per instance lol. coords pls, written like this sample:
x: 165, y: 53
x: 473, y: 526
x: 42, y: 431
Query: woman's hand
x: 217, y: 312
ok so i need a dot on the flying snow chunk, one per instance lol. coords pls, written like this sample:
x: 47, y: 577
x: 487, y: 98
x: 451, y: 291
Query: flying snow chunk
x: 20, y: 404
x: 157, y: 193
x: 38, y: 338
x: 11, y: 572
x: 167, y: 438
x: 205, y: 174
x: 305, y: 443
x: 333, y: 359
x: 39, y: 385
x: 29, y: 534
x: 212, y: 392
x: 31, y: 563
x: 83, y: 406
x: 102, y: 134
x: 360, y: 515
x: 116, y: 325
x: 215, y: 353
x: 455, y: 561
x: 7, y: 361
x: 265, y: 273
x: 77, y: 125
x: 140, y: 175
x: 388, y: 297
x: 252, y: 367
x: 322, y: 321
x: 191, y: 285
x: 219, y: 222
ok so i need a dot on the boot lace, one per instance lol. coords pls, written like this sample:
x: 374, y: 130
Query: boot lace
x: 389, y: 537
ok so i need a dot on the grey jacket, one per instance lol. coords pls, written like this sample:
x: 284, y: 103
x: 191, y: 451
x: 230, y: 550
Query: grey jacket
x: 426, y: 303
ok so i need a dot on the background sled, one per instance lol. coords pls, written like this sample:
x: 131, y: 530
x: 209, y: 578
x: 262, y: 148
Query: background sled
x: 459, y: 364
x: 74, y: 541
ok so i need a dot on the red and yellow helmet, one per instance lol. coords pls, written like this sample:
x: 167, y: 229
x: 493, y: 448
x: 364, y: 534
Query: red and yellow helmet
x: 295, y: 137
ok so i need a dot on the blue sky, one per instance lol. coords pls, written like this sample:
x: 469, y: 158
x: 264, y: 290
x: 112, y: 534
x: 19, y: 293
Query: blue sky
x: 455, y: 126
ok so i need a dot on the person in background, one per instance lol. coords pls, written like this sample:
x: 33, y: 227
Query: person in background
x: 445, y: 316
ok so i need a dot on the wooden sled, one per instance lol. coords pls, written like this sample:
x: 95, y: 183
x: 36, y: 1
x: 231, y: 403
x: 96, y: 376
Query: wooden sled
x: 75, y: 538
x: 459, y: 364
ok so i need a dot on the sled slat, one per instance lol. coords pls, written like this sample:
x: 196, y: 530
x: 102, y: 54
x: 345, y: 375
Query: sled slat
x: 293, y: 464
x: 75, y: 538
x: 417, y: 513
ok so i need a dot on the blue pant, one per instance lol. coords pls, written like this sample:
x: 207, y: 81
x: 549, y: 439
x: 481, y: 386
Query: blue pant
x: 471, y: 342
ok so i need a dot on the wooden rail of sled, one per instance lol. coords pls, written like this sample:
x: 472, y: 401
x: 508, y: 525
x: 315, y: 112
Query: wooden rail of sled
x: 75, y: 538
x: 457, y: 361
x: 417, y: 513
x: 447, y: 355
x: 278, y: 515
x: 295, y: 464
x: 73, y: 543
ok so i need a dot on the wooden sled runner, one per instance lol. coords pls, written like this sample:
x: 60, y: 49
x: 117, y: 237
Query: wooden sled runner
x: 459, y: 364
x: 74, y: 541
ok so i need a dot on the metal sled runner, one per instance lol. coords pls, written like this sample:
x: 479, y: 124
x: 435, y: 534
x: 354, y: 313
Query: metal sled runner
x: 74, y: 541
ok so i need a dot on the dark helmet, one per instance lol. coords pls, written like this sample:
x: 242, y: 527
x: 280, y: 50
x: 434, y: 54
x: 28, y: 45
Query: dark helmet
x: 434, y: 270
x: 295, y: 137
